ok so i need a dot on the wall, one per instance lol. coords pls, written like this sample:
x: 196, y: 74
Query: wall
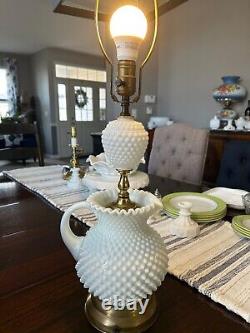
x: 28, y: 26
x: 40, y: 71
x: 199, y: 42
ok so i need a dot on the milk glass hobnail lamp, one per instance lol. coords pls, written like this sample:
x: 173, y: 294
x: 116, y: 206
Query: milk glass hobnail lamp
x: 121, y: 257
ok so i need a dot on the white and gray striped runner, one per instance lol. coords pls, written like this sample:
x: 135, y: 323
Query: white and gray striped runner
x: 48, y: 182
x: 217, y: 262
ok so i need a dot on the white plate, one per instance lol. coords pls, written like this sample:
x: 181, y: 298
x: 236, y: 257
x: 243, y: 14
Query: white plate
x: 232, y: 197
x: 199, y: 204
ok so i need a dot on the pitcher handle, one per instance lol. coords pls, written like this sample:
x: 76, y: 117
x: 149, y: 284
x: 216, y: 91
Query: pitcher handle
x: 72, y: 241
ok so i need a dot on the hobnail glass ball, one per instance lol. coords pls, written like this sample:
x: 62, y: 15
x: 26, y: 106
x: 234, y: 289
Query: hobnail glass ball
x: 124, y: 141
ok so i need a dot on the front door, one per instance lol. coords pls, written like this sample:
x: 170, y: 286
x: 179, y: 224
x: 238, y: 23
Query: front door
x: 88, y: 119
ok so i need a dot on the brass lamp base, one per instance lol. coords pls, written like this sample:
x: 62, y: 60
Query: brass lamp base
x: 123, y: 201
x: 122, y: 321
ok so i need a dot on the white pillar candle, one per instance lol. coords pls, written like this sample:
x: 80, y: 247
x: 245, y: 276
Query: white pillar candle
x: 73, y: 142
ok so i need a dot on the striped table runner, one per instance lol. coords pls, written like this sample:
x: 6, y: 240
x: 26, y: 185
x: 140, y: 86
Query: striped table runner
x: 48, y: 182
x: 217, y: 262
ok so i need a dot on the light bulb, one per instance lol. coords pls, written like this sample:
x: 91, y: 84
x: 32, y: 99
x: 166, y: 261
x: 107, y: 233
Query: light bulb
x: 128, y: 21
x: 128, y: 27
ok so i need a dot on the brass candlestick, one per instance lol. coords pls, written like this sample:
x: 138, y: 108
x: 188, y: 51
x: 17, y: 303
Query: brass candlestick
x: 74, y: 161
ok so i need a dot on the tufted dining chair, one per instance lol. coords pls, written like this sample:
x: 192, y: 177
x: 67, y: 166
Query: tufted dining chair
x: 235, y: 165
x: 179, y: 153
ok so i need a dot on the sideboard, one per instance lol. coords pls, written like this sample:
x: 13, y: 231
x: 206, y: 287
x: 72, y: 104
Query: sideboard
x: 217, y: 140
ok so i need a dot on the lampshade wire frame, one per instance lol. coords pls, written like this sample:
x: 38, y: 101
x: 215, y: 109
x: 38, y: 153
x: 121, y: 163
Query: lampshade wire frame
x: 136, y: 98
x: 98, y: 32
x: 138, y: 95
x: 154, y: 36
x: 113, y: 96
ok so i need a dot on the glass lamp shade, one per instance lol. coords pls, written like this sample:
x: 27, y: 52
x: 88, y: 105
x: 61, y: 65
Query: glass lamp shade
x: 128, y: 27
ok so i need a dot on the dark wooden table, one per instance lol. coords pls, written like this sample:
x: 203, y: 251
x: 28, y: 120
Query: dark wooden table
x: 40, y: 291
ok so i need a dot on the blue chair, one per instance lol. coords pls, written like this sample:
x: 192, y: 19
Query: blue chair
x: 235, y: 166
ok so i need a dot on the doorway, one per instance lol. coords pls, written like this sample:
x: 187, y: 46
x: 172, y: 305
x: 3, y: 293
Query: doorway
x: 88, y: 119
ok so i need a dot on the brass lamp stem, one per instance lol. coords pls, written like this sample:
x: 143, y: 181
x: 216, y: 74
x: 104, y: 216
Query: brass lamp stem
x: 123, y: 201
x: 125, y: 106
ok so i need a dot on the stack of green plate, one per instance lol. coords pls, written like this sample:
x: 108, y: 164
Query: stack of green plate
x: 205, y: 208
x: 241, y: 225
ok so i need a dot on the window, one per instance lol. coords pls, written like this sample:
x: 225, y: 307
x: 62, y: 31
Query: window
x: 62, y: 102
x: 102, y: 103
x: 80, y: 73
x: 4, y: 104
x: 92, y: 81
x: 87, y: 112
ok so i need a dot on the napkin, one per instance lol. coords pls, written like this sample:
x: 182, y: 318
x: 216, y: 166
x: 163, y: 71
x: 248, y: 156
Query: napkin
x: 232, y: 197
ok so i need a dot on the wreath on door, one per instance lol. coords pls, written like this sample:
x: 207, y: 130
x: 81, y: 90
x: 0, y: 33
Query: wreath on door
x: 81, y: 98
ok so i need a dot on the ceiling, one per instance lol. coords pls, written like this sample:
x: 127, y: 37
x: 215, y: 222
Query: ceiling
x: 107, y: 6
x: 27, y: 26
x: 85, y: 8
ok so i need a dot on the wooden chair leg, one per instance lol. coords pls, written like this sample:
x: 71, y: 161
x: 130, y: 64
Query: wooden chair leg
x: 40, y: 159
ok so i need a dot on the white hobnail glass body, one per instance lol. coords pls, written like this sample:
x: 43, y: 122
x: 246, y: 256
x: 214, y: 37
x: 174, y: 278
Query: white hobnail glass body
x: 124, y: 141
x: 121, y: 256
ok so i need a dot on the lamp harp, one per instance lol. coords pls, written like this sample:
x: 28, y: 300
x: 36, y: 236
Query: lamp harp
x: 126, y: 79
